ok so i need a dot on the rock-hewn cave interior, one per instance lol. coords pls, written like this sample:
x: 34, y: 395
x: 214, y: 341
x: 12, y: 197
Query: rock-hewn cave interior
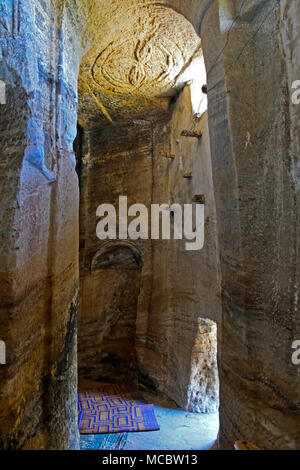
x: 174, y: 102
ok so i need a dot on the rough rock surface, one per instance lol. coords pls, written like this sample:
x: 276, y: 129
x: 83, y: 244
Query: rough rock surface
x: 39, y: 227
x: 177, y: 288
x: 116, y: 161
x: 134, y: 57
x: 255, y: 147
x: 185, y: 284
x: 203, y: 390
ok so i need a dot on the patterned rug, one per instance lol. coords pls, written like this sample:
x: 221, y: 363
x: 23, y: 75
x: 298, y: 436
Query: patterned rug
x: 109, y: 408
x: 115, y: 441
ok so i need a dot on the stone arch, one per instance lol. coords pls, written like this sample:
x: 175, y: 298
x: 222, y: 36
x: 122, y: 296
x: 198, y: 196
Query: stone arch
x: 116, y: 253
x: 108, y: 313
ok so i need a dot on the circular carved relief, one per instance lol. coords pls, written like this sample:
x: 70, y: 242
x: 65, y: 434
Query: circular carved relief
x: 148, y: 66
x: 148, y: 55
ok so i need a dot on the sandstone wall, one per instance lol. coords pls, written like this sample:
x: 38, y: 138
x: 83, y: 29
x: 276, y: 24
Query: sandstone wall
x: 254, y: 143
x: 185, y: 287
x: 39, y: 60
x: 178, y: 289
x: 115, y: 277
x: 252, y: 205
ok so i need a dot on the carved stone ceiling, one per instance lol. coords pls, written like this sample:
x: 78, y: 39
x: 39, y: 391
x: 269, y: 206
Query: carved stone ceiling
x: 139, y: 57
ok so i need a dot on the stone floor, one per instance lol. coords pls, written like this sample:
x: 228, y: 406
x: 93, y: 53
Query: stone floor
x: 179, y: 430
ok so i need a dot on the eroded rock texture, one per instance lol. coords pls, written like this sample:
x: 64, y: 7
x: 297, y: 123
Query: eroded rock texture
x: 134, y: 57
x: 181, y: 297
x: 149, y: 309
x: 39, y: 227
x: 115, y: 275
x: 177, y: 288
x: 204, y: 383
x: 256, y: 191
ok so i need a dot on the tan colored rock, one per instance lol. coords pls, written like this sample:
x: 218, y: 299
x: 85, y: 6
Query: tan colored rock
x: 132, y: 62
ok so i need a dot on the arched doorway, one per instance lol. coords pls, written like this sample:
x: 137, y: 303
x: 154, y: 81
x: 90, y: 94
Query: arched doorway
x: 107, y: 314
